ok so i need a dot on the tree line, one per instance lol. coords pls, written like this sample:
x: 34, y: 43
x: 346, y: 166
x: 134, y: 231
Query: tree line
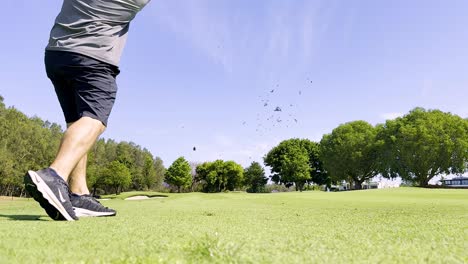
x: 416, y: 147
x: 31, y: 144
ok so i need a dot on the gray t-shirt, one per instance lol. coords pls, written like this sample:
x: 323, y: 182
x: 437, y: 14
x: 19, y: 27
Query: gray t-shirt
x: 95, y: 28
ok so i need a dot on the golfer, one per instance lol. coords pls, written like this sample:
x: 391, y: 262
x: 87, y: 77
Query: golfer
x: 82, y: 61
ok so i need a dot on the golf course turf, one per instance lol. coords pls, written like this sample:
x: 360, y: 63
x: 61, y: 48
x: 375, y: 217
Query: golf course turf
x: 402, y: 225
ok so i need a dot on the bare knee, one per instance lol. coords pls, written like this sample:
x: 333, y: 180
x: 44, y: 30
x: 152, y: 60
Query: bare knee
x: 102, y: 128
x: 96, y: 124
x: 89, y: 124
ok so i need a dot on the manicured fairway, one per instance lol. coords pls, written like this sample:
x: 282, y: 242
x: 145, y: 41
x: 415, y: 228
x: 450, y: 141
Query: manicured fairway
x: 405, y: 225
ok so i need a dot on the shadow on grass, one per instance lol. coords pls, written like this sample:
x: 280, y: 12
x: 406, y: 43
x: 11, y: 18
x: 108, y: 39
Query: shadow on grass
x: 157, y: 196
x: 22, y: 217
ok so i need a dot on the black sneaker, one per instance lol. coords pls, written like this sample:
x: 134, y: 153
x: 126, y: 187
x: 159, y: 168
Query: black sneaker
x: 52, y: 193
x: 86, y: 205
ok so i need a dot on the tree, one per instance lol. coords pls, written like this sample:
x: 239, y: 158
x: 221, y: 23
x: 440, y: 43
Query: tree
x: 179, y: 174
x: 196, y: 184
x: 210, y: 174
x: 235, y: 175
x: 95, y: 177
x: 2, y: 104
x: 423, y: 144
x: 318, y: 174
x: 137, y: 168
x: 255, y: 177
x: 219, y: 176
x: 160, y: 171
x: 148, y: 170
x: 117, y: 175
x: 96, y: 164
x: 129, y: 154
x: 290, y: 163
x: 351, y: 152
x: 25, y: 143
x: 110, y: 150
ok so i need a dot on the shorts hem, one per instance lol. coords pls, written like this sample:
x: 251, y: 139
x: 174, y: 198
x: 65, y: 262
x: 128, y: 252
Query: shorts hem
x: 93, y: 116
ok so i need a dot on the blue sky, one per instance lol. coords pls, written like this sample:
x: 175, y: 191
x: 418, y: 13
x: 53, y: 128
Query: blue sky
x: 198, y: 73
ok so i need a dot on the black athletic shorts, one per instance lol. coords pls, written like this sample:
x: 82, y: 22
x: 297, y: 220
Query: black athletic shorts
x: 84, y: 86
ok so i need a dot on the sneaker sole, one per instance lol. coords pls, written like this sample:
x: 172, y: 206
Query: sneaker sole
x: 46, y: 198
x: 80, y: 212
x: 31, y: 189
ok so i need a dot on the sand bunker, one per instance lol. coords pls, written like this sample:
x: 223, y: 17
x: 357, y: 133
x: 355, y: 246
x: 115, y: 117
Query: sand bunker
x: 139, y: 197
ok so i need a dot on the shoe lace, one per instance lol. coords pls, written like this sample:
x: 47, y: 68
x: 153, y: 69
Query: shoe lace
x: 95, y: 200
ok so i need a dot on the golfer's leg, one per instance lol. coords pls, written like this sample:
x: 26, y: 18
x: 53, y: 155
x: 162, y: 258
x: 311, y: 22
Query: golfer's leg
x: 77, y: 178
x: 76, y: 142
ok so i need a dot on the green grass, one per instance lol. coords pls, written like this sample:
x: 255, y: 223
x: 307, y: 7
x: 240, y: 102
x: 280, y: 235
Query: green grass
x: 405, y: 225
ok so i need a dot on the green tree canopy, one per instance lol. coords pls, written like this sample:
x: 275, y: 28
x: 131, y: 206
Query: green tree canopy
x: 235, y: 175
x: 423, y: 144
x: 148, y: 170
x: 296, y: 161
x: 117, y: 175
x: 160, y: 171
x: 350, y: 152
x: 318, y: 174
x: 179, y: 174
x: 2, y: 104
x: 25, y: 144
x: 255, y: 177
x: 219, y: 175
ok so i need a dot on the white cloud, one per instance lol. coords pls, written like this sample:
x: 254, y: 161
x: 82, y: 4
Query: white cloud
x: 207, y: 31
x: 285, y: 32
x: 291, y: 30
x: 279, y: 33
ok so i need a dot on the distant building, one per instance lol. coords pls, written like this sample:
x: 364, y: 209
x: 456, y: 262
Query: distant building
x: 379, y: 184
x: 389, y: 183
x: 455, y: 182
x: 344, y: 186
x: 371, y: 185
